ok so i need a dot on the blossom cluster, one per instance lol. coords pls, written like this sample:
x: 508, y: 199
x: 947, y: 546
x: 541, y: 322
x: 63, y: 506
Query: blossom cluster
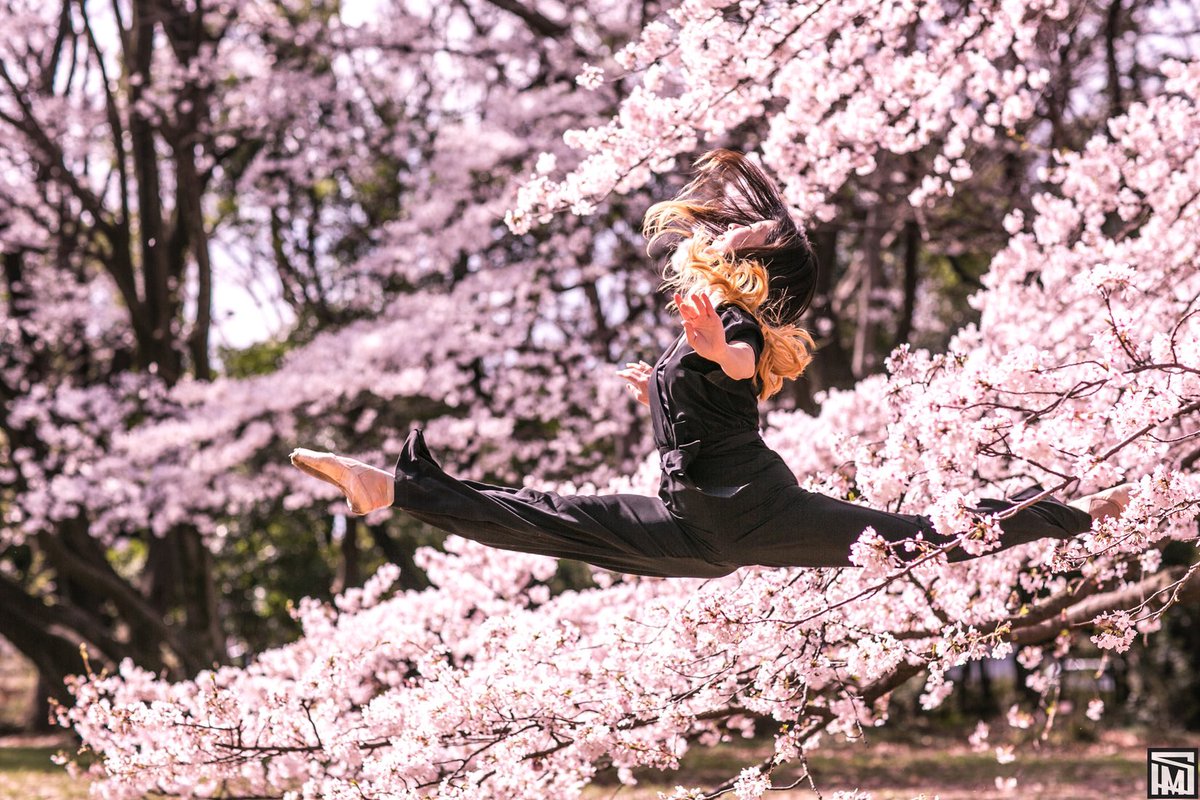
x: 704, y: 72
x: 488, y: 686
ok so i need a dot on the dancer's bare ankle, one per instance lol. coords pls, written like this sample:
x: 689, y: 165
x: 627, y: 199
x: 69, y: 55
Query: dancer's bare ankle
x: 374, y: 489
x: 1105, y: 509
x: 1107, y: 504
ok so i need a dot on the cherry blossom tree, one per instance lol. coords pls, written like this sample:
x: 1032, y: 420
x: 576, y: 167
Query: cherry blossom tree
x: 1081, y: 367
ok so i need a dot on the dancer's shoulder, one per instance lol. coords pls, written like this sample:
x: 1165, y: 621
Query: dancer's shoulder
x: 741, y: 325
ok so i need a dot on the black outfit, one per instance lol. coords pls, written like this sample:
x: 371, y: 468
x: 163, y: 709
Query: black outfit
x: 725, y: 499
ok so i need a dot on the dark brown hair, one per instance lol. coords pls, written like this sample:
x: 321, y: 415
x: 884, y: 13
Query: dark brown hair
x: 729, y: 190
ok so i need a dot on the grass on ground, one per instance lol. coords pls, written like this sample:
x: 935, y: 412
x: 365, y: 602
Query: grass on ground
x: 1113, y: 768
x: 27, y: 773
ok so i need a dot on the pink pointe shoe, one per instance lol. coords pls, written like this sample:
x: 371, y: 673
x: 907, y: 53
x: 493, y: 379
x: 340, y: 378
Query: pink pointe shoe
x: 366, y: 488
x: 1108, y: 503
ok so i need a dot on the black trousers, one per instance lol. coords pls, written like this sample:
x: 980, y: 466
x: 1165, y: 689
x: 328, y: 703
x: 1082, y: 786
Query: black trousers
x: 702, y: 524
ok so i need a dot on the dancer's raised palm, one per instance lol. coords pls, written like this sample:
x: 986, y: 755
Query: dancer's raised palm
x: 702, y: 326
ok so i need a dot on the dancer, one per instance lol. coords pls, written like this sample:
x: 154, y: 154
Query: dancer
x: 741, y: 273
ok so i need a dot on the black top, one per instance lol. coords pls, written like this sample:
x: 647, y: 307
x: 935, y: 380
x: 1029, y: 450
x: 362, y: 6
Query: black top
x: 694, y: 404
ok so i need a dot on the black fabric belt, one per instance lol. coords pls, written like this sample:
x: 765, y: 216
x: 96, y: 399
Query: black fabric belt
x: 675, y: 459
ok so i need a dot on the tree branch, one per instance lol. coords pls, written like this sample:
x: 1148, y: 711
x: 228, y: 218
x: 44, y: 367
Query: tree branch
x: 106, y: 582
x: 537, y: 22
x: 1087, y: 609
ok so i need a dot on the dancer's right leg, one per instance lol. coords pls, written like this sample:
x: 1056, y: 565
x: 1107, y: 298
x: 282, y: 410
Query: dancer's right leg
x: 628, y: 533
x: 621, y: 532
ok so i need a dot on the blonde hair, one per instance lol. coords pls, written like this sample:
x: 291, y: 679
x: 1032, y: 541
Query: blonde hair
x: 744, y: 282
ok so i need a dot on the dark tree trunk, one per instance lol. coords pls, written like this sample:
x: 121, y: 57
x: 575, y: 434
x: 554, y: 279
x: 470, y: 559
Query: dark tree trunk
x: 912, y: 247
x: 864, y: 358
x: 1112, y: 32
x: 179, y: 580
x: 158, y: 352
x: 831, y: 365
x: 205, y: 644
x: 192, y: 221
x: 349, y: 572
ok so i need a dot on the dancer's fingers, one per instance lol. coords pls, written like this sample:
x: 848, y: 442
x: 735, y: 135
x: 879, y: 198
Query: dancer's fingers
x: 681, y: 304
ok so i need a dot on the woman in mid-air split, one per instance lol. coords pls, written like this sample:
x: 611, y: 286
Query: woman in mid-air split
x: 742, y: 273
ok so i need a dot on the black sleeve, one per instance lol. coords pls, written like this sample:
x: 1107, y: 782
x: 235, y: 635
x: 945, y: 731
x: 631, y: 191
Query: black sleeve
x: 741, y: 326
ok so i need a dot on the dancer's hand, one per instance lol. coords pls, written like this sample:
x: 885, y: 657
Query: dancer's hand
x: 701, y: 325
x: 706, y: 334
x: 637, y: 378
x: 741, y: 237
